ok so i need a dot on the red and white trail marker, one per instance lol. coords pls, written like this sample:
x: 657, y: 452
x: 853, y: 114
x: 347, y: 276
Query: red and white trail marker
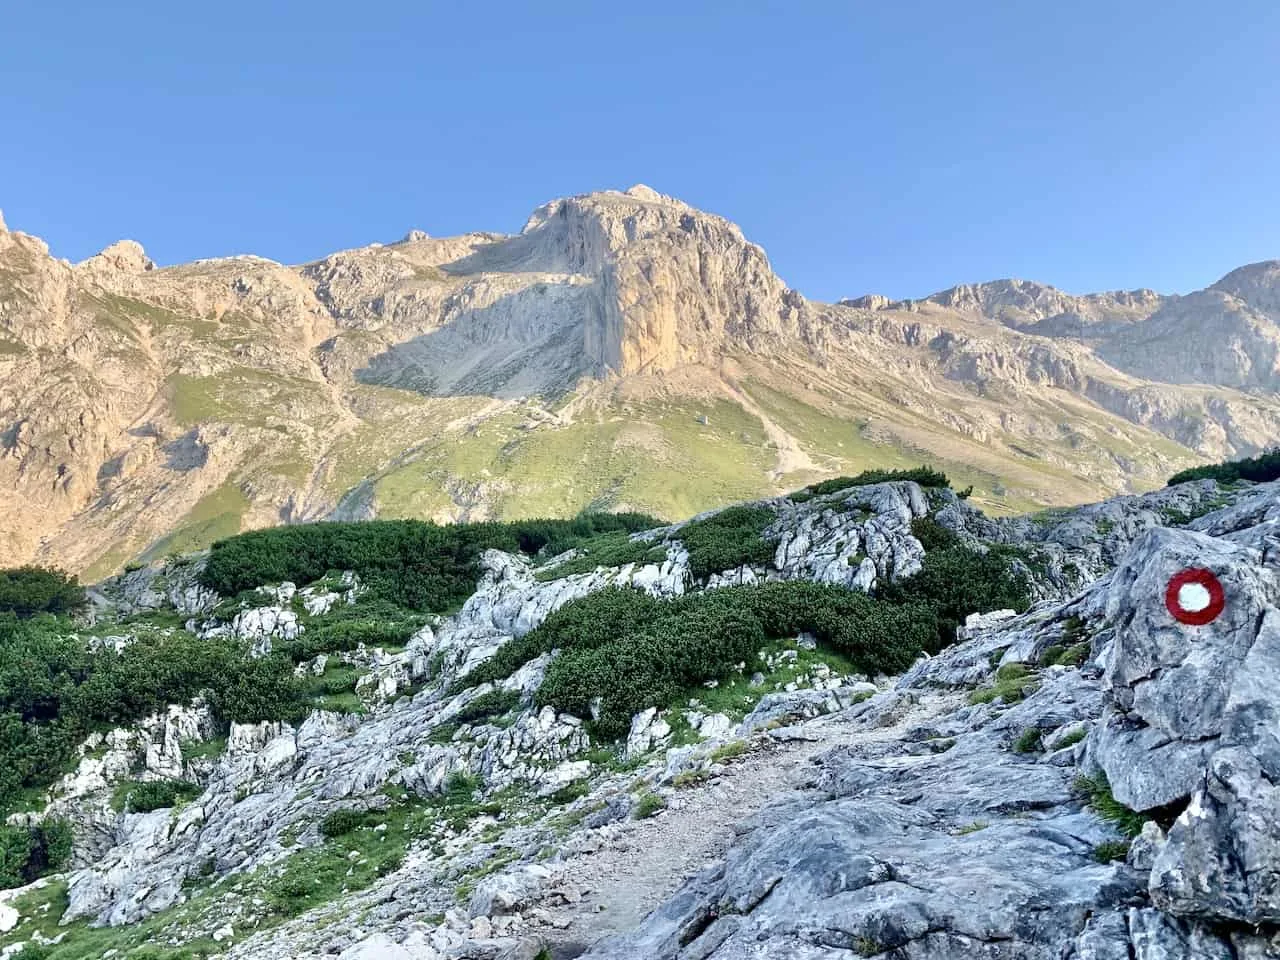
x: 1194, y: 596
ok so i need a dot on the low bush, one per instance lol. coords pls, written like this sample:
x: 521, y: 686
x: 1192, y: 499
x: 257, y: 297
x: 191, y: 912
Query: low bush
x: 492, y: 704
x: 924, y: 476
x: 957, y: 581
x: 1260, y: 469
x: 933, y: 535
x: 341, y: 822
x: 726, y: 540
x: 55, y: 690
x: 347, y: 634
x: 1030, y: 741
x: 585, y: 622
x: 607, y: 550
x: 413, y: 563
x: 648, y: 805
x: 158, y: 794
x: 26, y: 591
x: 28, y: 853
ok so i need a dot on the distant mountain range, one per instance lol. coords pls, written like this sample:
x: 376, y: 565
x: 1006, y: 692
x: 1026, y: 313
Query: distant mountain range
x: 624, y: 350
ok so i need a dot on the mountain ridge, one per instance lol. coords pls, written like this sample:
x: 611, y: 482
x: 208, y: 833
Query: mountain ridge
x: 623, y: 350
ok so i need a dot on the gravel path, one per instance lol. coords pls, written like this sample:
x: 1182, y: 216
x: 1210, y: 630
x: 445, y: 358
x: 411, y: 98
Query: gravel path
x: 648, y: 861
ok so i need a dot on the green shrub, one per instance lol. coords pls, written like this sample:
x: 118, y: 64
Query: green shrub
x: 607, y: 550
x: 1030, y: 741
x: 413, y: 563
x: 727, y: 540
x: 1071, y: 739
x: 957, y: 581
x: 492, y: 704
x: 28, y: 853
x: 585, y: 622
x: 341, y: 822
x: 648, y: 805
x: 55, y: 690
x: 158, y: 794
x: 1013, y: 682
x: 622, y: 651
x: 26, y: 591
x: 337, y: 636
x: 924, y: 476
x: 933, y: 535
x: 1260, y: 469
x: 1110, y: 850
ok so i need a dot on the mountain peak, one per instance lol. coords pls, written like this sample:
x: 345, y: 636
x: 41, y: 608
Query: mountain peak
x: 642, y: 192
x: 124, y: 256
x: 1257, y: 284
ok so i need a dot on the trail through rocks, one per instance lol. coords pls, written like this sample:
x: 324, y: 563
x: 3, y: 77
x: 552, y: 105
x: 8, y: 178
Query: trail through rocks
x: 638, y: 869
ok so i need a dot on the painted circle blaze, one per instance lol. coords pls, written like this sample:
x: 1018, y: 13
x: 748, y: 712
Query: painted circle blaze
x: 1194, y: 596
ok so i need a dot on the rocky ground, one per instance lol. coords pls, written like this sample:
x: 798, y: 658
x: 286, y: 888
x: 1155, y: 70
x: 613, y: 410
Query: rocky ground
x: 980, y: 805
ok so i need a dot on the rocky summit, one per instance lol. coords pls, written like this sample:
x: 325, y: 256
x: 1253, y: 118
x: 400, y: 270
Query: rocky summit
x: 863, y: 720
x: 623, y: 351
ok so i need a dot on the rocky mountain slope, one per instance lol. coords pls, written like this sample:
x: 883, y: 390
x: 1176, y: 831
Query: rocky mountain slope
x: 1088, y: 779
x: 624, y: 350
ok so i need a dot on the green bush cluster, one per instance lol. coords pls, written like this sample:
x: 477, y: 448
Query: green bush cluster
x: 933, y: 535
x: 376, y: 623
x: 1260, y: 469
x: 55, y: 690
x: 622, y: 650
x: 956, y: 581
x: 925, y: 476
x: 158, y: 794
x: 726, y: 540
x: 341, y: 822
x: 28, y: 853
x: 492, y: 704
x: 413, y: 563
x: 26, y: 591
x: 607, y: 550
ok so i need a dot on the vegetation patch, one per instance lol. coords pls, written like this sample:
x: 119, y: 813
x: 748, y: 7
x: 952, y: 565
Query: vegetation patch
x: 26, y: 591
x: 143, y: 797
x: 1263, y: 468
x: 413, y: 563
x: 622, y: 650
x: 1030, y: 741
x: 727, y: 540
x: 1097, y: 793
x: 607, y: 550
x: 30, y: 852
x: 1013, y: 682
x: 648, y: 805
x: 57, y: 687
x: 924, y: 476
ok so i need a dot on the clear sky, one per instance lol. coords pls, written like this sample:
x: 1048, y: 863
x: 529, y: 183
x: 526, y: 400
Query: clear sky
x: 897, y: 148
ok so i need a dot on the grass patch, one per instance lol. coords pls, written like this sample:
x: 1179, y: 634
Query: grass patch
x: 1071, y: 739
x: 1097, y: 792
x: 1111, y: 850
x: 728, y: 751
x: 648, y: 805
x: 1013, y: 682
x: 132, y: 796
x: 1030, y: 741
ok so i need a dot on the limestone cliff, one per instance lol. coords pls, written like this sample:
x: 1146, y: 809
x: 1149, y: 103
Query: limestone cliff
x: 622, y: 350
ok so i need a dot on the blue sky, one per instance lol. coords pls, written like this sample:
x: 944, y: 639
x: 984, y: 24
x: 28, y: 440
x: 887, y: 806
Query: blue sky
x: 894, y: 148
